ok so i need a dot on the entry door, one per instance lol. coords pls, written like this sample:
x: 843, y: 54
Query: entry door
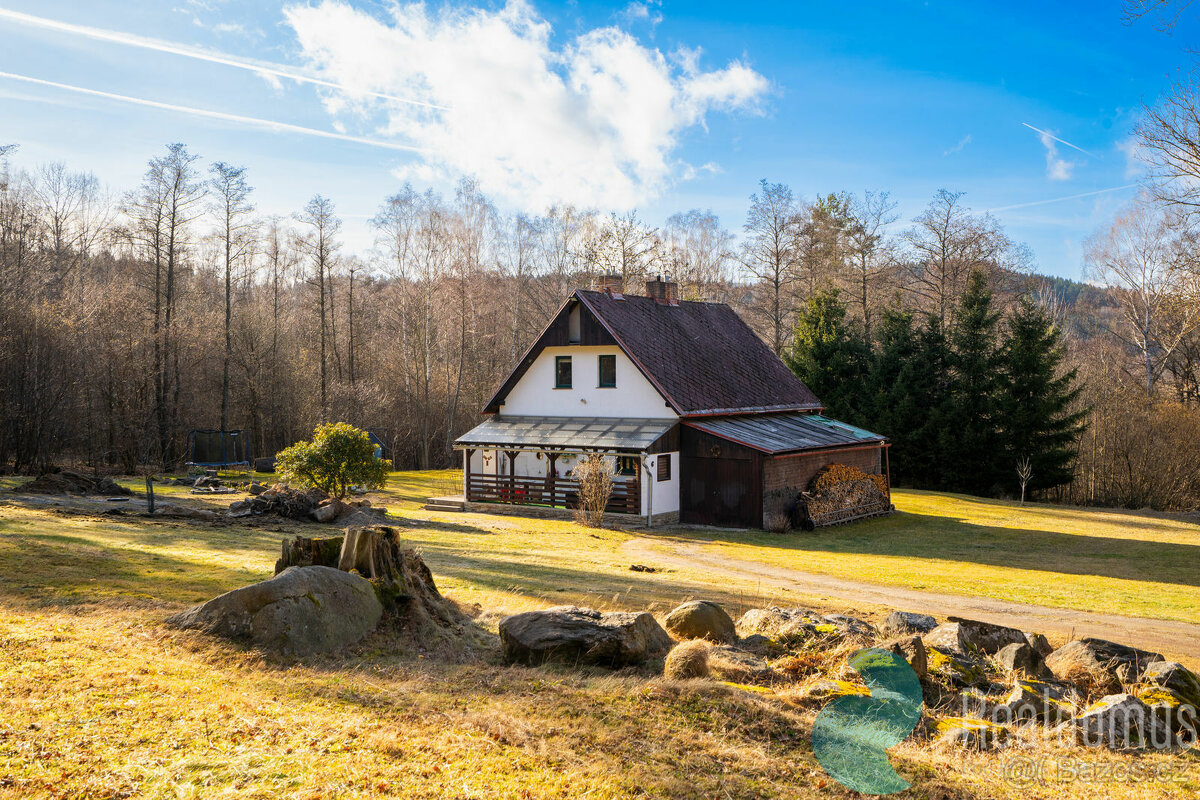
x: 720, y: 491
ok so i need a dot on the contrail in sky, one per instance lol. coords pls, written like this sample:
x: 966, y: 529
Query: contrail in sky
x: 1068, y: 197
x: 221, y: 115
x: 187, y: 51
x: 1060, y: 141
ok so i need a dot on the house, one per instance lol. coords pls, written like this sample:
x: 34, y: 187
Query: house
x: 703, y: 422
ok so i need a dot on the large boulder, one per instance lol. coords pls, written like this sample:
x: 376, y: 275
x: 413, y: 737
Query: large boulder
x: 1174, y: 676
x: 731, y: 664
x: 901, y: 623
x: 1044, y: 701
x: 781, y: 624
x: 700, y: 619
x: 301, y: 610
x: 574, y: 635
x: 1122, y: 722
x: 972, y: 637
x: 1020, y: 657
x: 1172, y: 710
x: 953, y: 668
x: 1039, y: 643
x: 1097, y: 660
x: 970, y: 733
x: 793, y: 625
x: 912, y: 650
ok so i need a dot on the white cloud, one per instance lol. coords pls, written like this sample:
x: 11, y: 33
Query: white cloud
x: 1135, y: 157
x: 963, y: 142
x: 1057, y: 169
x: 646, y: 12
x: 594, y: 122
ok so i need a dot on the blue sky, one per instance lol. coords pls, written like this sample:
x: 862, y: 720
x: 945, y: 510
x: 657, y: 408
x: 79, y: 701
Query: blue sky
x: 663, y: 107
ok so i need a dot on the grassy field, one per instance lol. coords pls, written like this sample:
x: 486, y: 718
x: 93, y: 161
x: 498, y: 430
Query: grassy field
x: 99, y: 699
x: 1118, y: 562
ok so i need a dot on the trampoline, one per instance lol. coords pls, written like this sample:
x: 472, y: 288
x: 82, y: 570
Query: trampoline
x: 213, y: 448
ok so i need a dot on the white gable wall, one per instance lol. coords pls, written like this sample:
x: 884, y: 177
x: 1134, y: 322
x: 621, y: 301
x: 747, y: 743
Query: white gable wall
x: 534, y: 394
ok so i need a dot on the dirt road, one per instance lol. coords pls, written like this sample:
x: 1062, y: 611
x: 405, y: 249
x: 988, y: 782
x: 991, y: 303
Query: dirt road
x: 1179, y: 640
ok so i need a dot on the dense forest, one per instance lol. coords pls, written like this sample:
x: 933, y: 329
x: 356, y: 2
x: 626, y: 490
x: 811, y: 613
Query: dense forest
x: 128, y: 319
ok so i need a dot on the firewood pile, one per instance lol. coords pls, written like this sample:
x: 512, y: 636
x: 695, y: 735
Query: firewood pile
x: 306, y: 505
x: 839, y: 493
x: 281, y: 501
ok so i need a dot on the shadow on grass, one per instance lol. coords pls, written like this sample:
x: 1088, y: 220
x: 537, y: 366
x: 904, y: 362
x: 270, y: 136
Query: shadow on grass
x: 910, y: 535
x: 38, y: 571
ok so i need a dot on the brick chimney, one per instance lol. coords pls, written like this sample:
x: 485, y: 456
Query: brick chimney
x: 665, y: 293
x: 611, y: 284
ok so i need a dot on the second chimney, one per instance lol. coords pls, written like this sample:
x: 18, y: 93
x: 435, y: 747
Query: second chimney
x: 612, y: 284
x: 665, y: 293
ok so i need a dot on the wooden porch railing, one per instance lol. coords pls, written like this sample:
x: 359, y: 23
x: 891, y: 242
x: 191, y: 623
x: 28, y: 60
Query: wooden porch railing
x: 536, y: 491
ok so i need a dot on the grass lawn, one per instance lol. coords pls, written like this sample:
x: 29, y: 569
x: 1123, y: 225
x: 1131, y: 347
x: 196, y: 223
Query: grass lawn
x: 1118, y: 562
x: 99, y: 699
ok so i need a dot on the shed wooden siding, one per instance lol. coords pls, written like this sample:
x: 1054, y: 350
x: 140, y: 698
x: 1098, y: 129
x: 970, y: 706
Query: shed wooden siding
x: 782, y: 472
x: 709, y: 465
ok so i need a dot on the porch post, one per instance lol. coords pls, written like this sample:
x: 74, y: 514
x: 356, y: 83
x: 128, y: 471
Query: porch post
x: 512, y: 475
x: 551, y: 474
x: 467, y: 474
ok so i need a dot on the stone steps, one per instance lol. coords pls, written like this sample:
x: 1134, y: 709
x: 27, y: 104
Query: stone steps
x: 446, y: 504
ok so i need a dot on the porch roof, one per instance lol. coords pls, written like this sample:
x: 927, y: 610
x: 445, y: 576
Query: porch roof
x: 565, y: 433
x: 785, y: 433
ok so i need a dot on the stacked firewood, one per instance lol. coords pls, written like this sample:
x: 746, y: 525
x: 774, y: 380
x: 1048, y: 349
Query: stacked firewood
x: 839, y: 493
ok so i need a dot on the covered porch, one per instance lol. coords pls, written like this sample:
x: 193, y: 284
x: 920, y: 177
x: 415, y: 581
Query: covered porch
x: 527, y: 461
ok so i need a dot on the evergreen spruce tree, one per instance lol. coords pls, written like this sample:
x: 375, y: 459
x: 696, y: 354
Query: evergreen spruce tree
x: 917, y: 402
x: 897, y: 403
x: 831, y: 358
x: 973, y: 458
x: 1039, y: 421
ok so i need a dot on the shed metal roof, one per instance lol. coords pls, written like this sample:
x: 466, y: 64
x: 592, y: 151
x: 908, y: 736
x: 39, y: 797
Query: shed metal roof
x: 606, y: 433
x: 784, y: 433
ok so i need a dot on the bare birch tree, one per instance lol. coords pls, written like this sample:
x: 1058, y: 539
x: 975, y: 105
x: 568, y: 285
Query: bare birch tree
x: 321, y: 246
x: 1147, y: 262
x: 235, y: 232
x: 769, y: 255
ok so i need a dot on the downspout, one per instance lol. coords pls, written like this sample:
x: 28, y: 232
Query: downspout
x: 649, y: 493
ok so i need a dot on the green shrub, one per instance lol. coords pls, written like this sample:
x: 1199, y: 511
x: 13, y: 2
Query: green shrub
x: 338, y: 457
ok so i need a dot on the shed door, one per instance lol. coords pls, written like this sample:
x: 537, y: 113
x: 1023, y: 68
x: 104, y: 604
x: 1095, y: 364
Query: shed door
x: 720, y: 491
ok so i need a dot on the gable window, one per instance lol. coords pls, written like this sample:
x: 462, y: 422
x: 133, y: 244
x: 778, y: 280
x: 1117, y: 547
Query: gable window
x: 608, y: 372
x: 562, y: 372
x: 664, y: 467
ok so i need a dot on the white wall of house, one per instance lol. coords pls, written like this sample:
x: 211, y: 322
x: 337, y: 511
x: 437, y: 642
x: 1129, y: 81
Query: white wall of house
x: 664, y: 496
x: 633, y: 397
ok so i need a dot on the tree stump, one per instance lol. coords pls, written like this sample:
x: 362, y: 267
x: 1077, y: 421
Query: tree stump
x: 305, y: 552
x: 405, y: 585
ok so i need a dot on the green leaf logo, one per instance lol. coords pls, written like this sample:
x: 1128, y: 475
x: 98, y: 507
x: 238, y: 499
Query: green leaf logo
x: 852, y: 734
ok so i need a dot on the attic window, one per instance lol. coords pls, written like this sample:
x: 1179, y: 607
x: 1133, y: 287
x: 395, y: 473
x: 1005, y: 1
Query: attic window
x: 608, y: 372
x: 562, y: 372
x: 574, y: 326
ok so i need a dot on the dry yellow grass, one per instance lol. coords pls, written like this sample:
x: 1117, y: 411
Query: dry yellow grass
x: 99, y: 699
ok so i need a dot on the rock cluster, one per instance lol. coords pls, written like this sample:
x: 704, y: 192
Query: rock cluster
x: 981, y: 680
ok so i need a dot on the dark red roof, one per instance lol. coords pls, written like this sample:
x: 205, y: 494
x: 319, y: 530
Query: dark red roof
x: 701, y: 356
